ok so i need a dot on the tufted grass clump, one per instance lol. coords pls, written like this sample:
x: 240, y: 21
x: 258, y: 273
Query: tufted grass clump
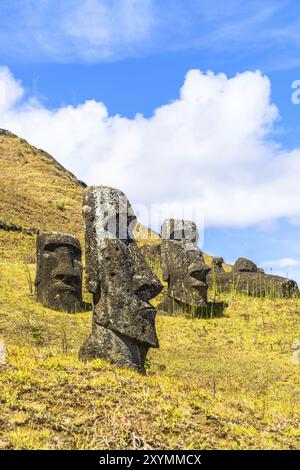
x: 60, y: 205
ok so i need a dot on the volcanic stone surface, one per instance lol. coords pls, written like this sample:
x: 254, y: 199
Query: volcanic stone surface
x: 244, y: 265
x: 58, y: 283
x: 183, y: 268
x: 120, y: 280
x: 253, y: 284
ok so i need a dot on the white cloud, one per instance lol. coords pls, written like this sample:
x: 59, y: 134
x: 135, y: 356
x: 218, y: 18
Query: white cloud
x: 76, y: 30
x: 281, y: 263
x: 104, y: 27
x: 213, y: 141
x: 108, y: 30
x: 10, y: 90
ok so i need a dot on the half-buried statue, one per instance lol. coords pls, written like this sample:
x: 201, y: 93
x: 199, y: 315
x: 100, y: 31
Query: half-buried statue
x: 58, y: 283
x: 248, y: 279
x: 183, y: 269
x: 121, y: 282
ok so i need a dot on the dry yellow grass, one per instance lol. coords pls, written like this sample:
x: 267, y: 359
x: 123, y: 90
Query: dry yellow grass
x: 35, y: 191
x: 226, y: 383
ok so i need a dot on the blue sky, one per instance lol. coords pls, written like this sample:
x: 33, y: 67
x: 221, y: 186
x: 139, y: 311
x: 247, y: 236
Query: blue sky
x: 134, y: 56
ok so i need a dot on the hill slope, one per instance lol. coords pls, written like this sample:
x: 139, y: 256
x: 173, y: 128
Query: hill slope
x: 219, y: 383
x: 35, y: 191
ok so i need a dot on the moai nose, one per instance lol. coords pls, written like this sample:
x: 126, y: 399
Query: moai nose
x: 65, y: 267
x: 146, y: 287
x: 199, y: 271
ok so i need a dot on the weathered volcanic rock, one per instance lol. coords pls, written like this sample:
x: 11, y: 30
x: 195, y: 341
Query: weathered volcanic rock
x: 151, y: 251
x: 217, y: 264
x: 179, y: 229
x: 58, y: 283
x: 244, y: 265
x: 120, y: 280
x: 183, y: 269
x: 255, y: 284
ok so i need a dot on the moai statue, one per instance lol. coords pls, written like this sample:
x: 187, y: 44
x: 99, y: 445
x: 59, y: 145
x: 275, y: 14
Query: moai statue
x: 183, y: 268
x: 217, y: 264
x: 248, y: 279
x: 58, y: 283
x: 121, y: 282
x: 244, y: 265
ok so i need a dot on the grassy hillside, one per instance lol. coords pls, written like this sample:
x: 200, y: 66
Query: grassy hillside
x: 35, y: 191
x: 225, y: 382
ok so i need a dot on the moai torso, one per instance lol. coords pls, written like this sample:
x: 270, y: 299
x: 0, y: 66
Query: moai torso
x: 58, y: 283
x: 121, y: 282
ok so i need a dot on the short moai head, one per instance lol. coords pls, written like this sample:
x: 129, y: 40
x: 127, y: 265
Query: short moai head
x: 183, y: 264
x: 121, y: 282
x: 58, y: 283
x: 217, y: 264
x: 244, y: 265
x: 179, y: 229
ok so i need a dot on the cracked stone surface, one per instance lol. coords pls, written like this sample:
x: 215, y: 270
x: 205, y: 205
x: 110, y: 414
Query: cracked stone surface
x: 58, y: 283
x: 120, y: 280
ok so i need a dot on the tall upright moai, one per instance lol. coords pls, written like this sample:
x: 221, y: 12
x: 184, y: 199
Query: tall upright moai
x: 121, y: 282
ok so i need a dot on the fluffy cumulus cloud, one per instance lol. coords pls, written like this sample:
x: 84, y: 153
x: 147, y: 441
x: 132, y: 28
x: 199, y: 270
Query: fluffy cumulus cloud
x: 212, y: 144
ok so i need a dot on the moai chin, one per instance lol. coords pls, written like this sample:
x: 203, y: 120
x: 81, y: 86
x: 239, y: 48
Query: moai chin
x: 121, y: 282
x: 58, y: 283
x: 183, y: 268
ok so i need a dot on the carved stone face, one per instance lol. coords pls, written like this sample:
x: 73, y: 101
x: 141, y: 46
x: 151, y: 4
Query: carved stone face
x: 59, y: 272
x: 120, y: 280
x: 217, y: 264
x: 185, y: 272
x: 183, y: 264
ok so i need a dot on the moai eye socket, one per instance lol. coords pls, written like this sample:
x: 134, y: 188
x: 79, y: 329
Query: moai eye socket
x: 50, y: 247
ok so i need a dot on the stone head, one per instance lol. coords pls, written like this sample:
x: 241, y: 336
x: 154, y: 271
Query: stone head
x: 116, y: 273
x: 58, y: 281
x: 182, y: 262
x: 244, y: 265
x: 217, y: 263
